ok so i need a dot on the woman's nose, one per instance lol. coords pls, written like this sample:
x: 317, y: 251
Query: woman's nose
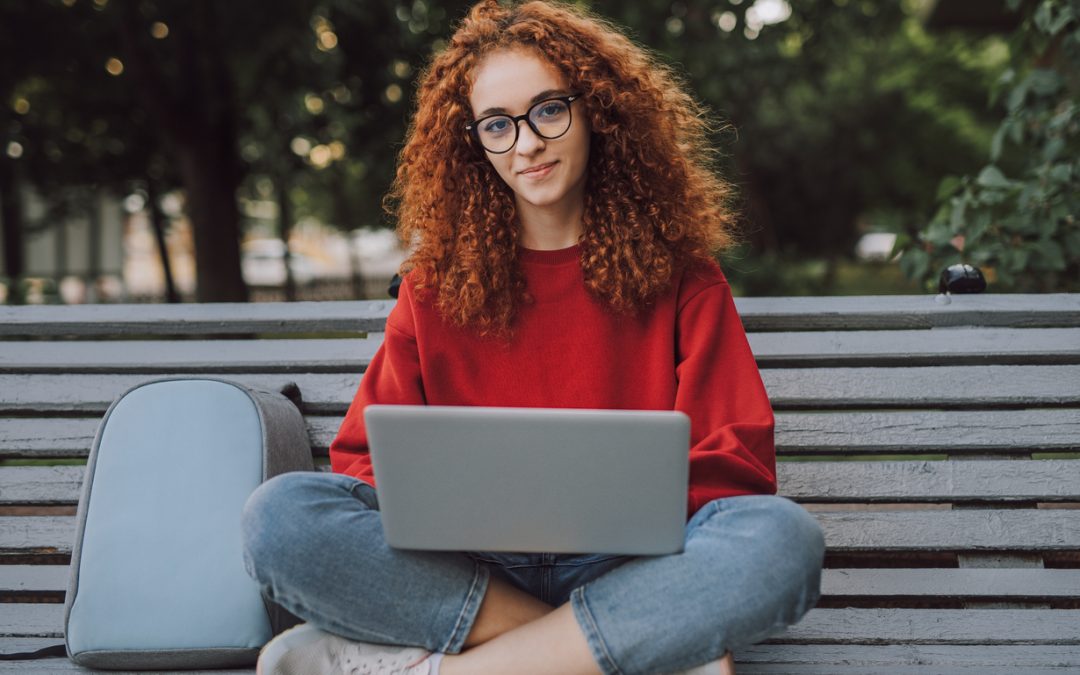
x: 528, y: 140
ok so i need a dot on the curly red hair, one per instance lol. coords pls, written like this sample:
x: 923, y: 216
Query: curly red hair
x: 652, y: 200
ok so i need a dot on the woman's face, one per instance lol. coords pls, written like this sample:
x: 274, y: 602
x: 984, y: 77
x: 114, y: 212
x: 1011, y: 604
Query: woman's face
x: 544, y: 173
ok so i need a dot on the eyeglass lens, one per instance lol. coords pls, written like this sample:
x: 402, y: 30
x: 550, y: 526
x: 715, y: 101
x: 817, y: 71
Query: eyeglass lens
x: 549, y: 119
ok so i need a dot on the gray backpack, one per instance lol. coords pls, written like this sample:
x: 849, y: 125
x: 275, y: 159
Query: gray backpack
x: 157, y: 573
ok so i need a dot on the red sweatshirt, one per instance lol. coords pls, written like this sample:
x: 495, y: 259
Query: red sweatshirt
x: 689, y: 352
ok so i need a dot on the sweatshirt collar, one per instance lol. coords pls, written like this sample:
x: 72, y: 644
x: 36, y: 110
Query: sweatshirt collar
x: 552, y: 257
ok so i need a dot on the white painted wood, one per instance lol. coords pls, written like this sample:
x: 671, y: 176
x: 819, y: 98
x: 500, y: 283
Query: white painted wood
x: 932, y: 481
x: 58, y: 390
x: 806, y: 482
x: 935, y: 626
x: 1006, y: 431
x: 855, y: 348
x: 928, y: 431
x: 923, y: 387
x: 931, y: 582
x: 908, y: 311
x: 36, y: 534
x: 33, y: 577
x: 40, y: 484
x: 19, y: 619
x: 189, y: 356
x: 939, y: 347
x: 845, y: 582
x: 815, y: 388
x: 927, y: 656
x: 194, y: 319
x: 92, y: 393
x: 848, y: 625
x: 845, y: 530
x: 844, y: 669
x: 932, y: 530
x: 758, y: 314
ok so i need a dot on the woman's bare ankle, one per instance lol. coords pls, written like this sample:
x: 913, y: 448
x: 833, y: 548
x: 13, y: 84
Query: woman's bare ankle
x: 503, y: 609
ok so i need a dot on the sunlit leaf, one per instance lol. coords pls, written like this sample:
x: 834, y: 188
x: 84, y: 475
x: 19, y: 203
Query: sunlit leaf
x: 991, y: 177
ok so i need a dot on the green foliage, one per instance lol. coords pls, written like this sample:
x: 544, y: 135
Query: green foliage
x: 841, y: 113
x: 842, y: 109
x: 1017, y: 218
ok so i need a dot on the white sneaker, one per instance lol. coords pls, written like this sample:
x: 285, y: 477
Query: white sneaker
x: 710, y: 668
x: 717, y: 667
x: 306, y: 650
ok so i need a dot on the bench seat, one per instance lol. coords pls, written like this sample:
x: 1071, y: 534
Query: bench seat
x: 938, y: 444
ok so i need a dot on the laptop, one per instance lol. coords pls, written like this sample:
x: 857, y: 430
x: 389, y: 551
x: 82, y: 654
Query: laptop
x: 542, y: 480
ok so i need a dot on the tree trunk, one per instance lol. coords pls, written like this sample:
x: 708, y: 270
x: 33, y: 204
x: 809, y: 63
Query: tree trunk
x: 284, y: 228
x: 11, y: 221
x: 200, y: 126
x: 210, y: 184
x: 157, y: 221
x: 346, y: 222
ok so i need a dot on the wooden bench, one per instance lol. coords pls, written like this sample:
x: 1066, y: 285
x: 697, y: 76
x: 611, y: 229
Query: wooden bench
x: 963, y: 557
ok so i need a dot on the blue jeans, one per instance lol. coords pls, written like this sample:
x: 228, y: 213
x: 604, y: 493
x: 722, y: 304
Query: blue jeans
x: 750, y: 568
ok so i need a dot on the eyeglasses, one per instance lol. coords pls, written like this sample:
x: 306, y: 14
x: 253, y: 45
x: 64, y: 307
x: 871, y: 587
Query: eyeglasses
x: 548, y: 119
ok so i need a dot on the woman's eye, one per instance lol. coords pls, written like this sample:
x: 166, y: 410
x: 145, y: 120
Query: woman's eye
x: 496, y: 126
x: 551, y: 110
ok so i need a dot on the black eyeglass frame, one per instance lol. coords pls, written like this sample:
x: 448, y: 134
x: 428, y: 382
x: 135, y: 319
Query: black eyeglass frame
x: 473, y: 126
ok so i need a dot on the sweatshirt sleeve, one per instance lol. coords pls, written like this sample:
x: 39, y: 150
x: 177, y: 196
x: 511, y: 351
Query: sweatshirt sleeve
x: 393, y: 376
x: 732, y: 451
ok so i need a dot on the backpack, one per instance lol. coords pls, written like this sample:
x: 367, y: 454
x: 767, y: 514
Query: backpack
x: 157, y: 572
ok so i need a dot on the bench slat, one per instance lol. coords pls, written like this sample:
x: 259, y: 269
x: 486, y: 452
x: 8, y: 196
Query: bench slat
x: 832, y: 388
x: 807, y: 482
x: 933, y: 481
x: 844, y: 669
x: 36, y: 534
x: 888, y: 530
x: 92, y: 393
x: 845, y: 582
x: 763, y: 658
x: 848, y: 625
x: 50, y: 578
x: 854, y: 348
x: 1020, y: 431
x: 928, y: 431
x: 952, y: 530
x: 923, y: 387
x: 908, y: 311
x: 1015, y: 657
x: 40, y: 484
x: 19, y: 619
x: 944, y: 347
x: 189, y: 356
x: 758, y: 314
x: 194, y: 319
x: 968, y: 583
x: 935, y: 626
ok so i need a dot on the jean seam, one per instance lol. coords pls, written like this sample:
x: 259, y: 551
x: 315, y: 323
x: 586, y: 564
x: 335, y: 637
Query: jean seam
x: 473, y: 598
x: 588, y: 625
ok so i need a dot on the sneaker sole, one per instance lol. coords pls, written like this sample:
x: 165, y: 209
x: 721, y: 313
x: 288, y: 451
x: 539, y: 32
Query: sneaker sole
x: 276, y: 649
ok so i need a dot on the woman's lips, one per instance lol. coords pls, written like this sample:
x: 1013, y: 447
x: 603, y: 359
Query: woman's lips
x: 540, y: 172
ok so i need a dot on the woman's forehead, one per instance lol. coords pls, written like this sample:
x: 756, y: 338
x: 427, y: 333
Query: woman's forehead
x: 510, y: 81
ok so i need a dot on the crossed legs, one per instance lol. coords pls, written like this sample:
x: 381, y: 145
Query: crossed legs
x: 751, y: 566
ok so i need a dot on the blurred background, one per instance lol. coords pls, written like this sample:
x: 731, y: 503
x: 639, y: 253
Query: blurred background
x: 193, y: 150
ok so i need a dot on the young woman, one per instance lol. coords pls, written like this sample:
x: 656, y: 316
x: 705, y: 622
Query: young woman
x: 556, y: 187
